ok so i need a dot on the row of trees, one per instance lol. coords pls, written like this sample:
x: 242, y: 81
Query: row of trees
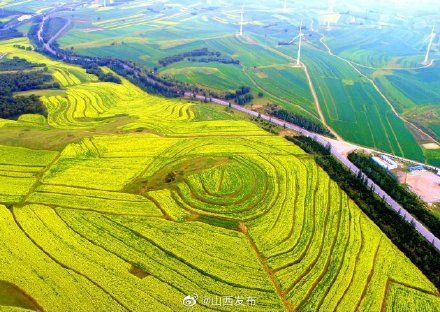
x: 241, y: 96
x: 390, y: 184
x: 280, y: 113
x: 24, y: 81
x: 17, y: 63
x: 199, y: 55
x: 402, y: 234
x: 140, y: 76
x: 9, y: 33
x: 21, y: 47
x: 105, y: 77
x: 91, y: 64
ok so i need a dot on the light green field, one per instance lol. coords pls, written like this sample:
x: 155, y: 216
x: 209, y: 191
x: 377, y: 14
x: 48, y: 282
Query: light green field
x: 180, y: 199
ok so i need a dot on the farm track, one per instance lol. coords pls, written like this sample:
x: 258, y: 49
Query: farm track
x: 317, y: 104
x: 267, y: 269
x: 353, y: 65
x: 311, y: 87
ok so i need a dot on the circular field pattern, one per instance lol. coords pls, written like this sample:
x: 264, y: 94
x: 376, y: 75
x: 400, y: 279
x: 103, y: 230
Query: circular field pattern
x: 182, y: 201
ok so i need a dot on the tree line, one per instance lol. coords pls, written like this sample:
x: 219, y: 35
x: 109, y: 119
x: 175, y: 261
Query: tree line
x: 241, y: 96
x: 303, y: 122
x: 24, y: 81
x: 198, y: 55
x: 9, y: 33
x: 422, y: 253
x: 17, y: 63
x: 12, y: 107
x: 144, y: 78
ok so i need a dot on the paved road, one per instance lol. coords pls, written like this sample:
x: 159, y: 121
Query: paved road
x: 393, y: 204
x: 343, y: 159
x: 47, y: 45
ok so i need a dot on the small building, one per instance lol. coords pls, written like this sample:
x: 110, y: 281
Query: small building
x: 24, y: 18
x: 416, y: 168
x: 383, y: 163
x: 392, y: 164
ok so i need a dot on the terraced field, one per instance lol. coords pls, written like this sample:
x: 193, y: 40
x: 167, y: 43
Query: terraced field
x: 182, y: 199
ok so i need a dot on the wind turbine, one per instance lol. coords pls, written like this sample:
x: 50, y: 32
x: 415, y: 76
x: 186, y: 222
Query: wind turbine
x: 241, y: 20
x: 331, y: 6
x: 298, y: 58
x: 300, y: 38
x: 428, y: 51
x: 285, y: 5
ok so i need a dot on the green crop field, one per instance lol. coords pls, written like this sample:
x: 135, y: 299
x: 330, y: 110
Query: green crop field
x: 150, y: 200
x: 356, y: 110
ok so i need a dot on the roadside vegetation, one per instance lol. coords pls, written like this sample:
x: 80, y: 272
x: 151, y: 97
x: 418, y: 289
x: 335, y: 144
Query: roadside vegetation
x: 402, y: 234
x: 391, y: 185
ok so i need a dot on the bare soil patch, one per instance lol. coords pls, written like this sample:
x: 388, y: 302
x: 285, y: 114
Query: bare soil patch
x: 431, y: 146
x: 13, y: 296
x: 425, y: 184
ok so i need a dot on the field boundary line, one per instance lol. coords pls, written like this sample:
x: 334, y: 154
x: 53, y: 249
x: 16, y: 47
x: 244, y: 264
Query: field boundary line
x: 266, y: 268
x: 64, y: 266
x: 330, y: 52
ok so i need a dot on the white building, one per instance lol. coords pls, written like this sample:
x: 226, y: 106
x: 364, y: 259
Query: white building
x: 385, y: 162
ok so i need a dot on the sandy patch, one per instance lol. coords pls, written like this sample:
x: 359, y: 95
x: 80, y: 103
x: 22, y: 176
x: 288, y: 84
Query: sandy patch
x: 261, y: 75
x: 431, y: 146
x: 89, y: 30
x: 425, y: 184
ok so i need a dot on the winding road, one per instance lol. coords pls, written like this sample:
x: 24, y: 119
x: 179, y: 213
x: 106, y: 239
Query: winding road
x: 341, y: 157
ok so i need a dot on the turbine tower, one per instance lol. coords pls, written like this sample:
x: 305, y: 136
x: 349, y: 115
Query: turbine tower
x: 241, y: 20
x: 331, y: 10
x: 285, y: 5
x: 300, y: 36
x: 428, y: 51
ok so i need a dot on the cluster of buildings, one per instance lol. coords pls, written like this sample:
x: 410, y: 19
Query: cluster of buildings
x: 385, y: 162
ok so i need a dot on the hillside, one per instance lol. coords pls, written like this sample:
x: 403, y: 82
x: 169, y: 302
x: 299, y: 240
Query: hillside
x: 121, y: 200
